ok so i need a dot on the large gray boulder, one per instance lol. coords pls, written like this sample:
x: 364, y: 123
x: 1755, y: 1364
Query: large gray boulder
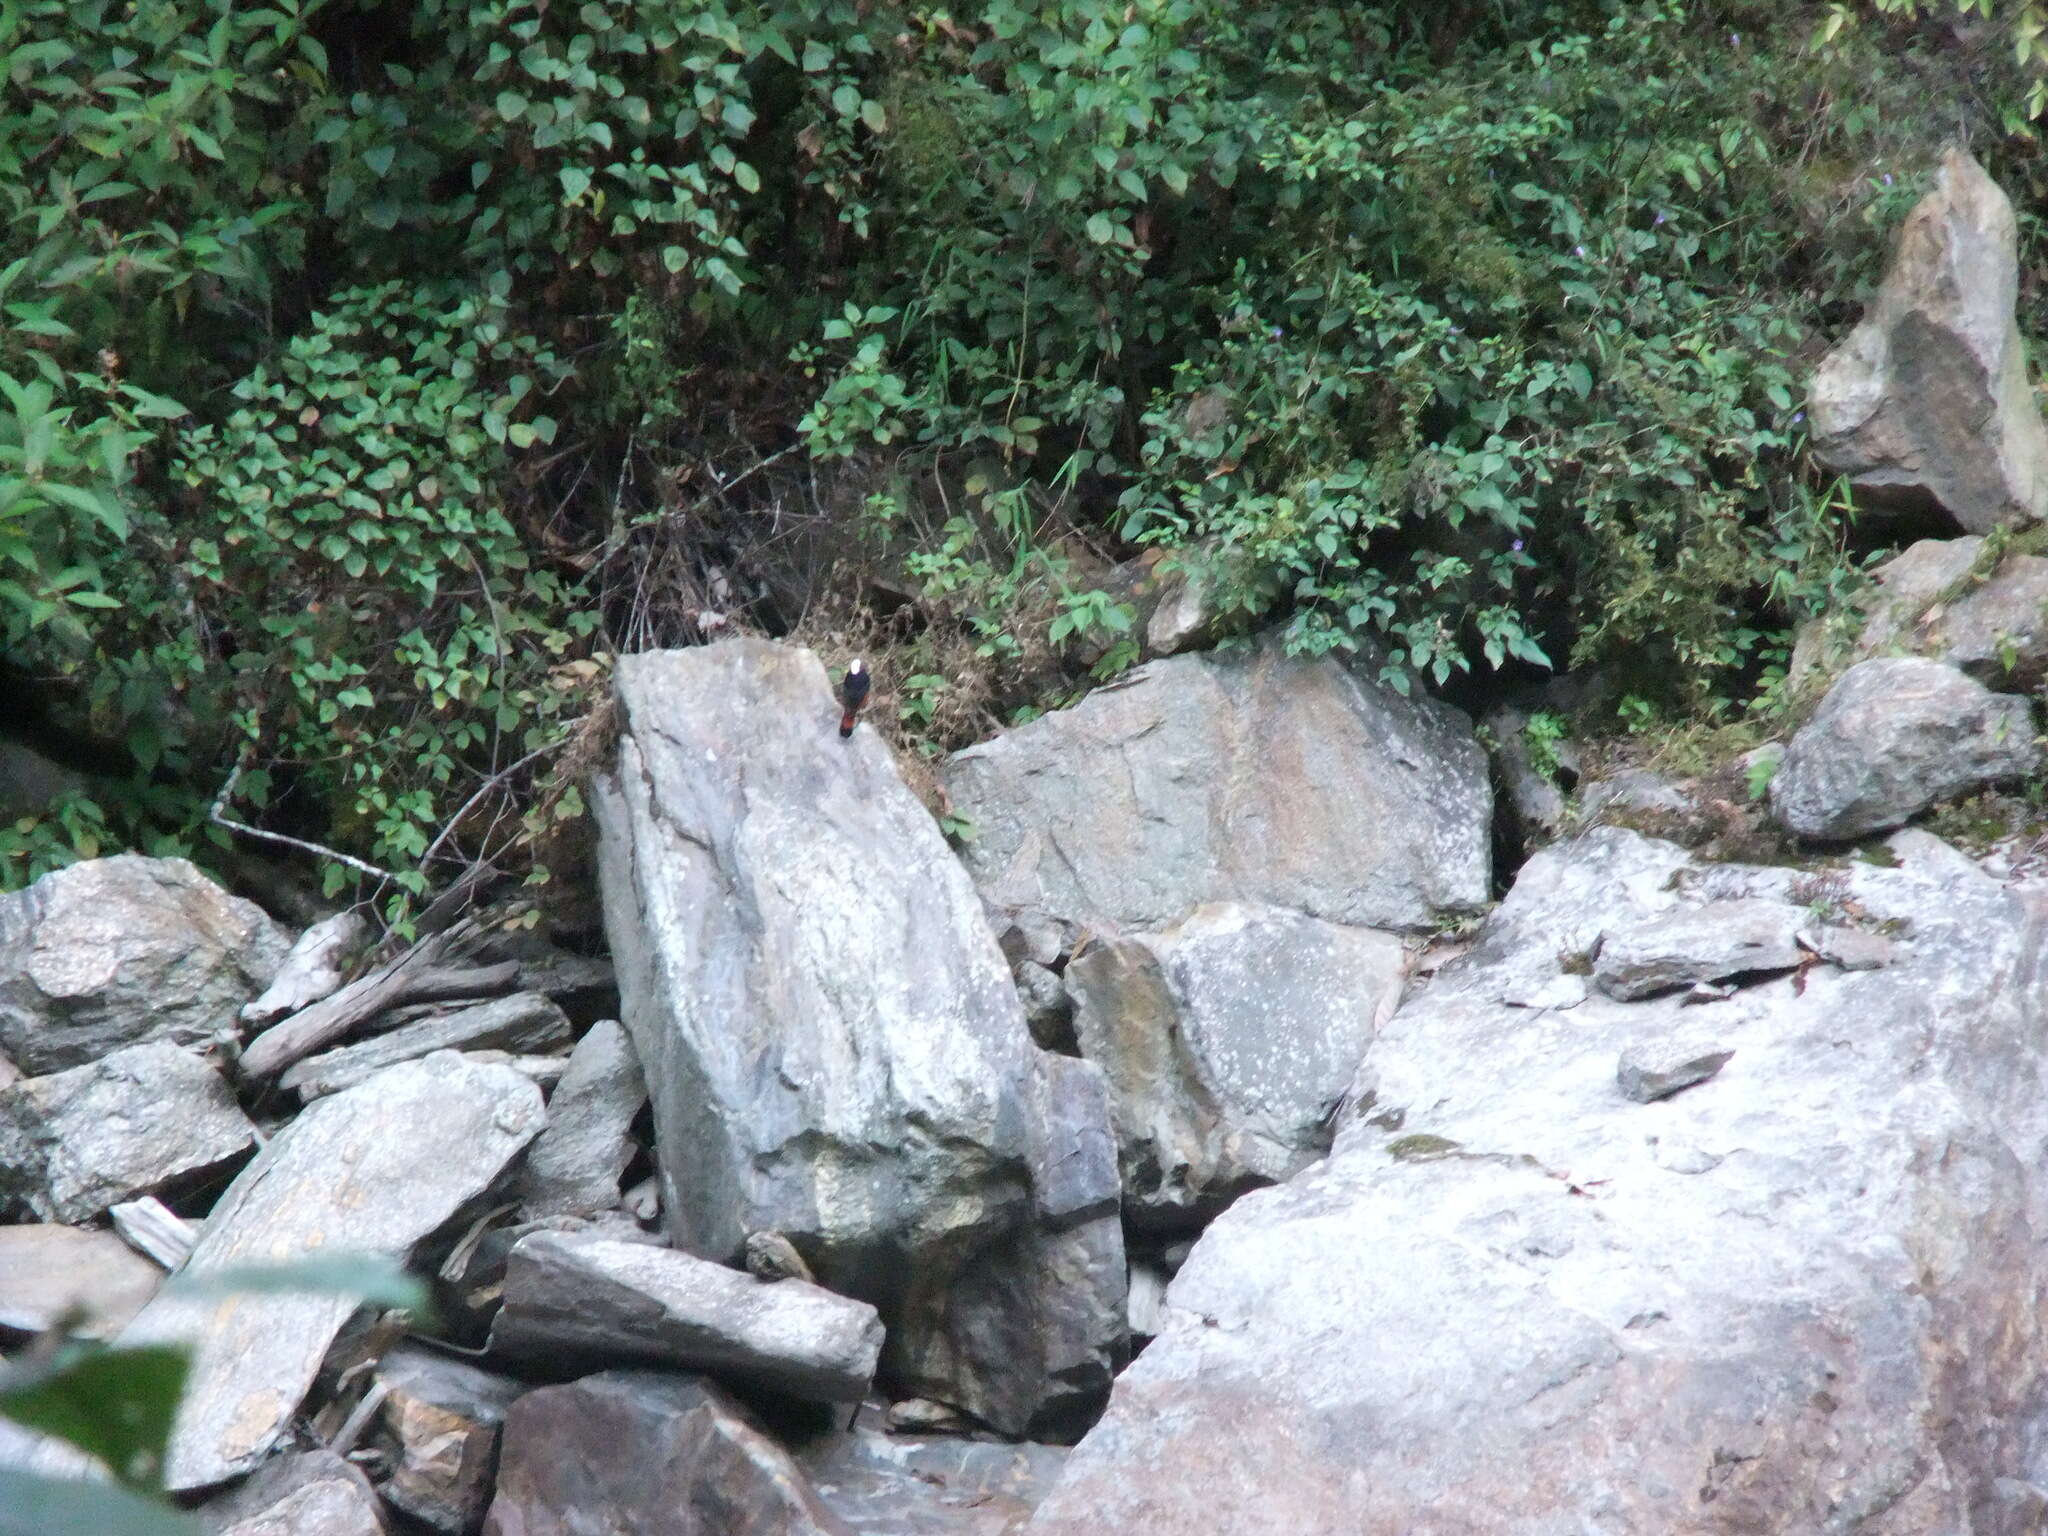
x: 148, y: 1119
x: 831, y: 1038
x: 1927, y: 404
x: 374, y: 1170
x: 1247, y: 777
x: 1226, y: 1040
x: 656, y: 1455
x: 1805, y: 1295
x: 1894, y: 736
x: 116, y: 951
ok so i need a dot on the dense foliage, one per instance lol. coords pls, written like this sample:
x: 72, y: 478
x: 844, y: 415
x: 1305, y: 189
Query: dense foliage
x: 372, y: 371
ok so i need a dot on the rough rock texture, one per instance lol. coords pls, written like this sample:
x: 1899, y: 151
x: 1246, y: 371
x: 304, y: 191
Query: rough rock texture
x: 651, y: 1454
x: 522, y: 1022
x: 1805, y: 1296
x: 1251, y: 777
x: 1226, y: 1039
x: 445, y: 1416
x: 580, y: 1302
x: 574, y: 1168
x: 143, y: 1120
x: 1932, y: 600
x: 150, y: 1227
x: 928, y: 1485
x: 833, y: 1042
x: 1927, y: 402
x: 114, y: 951
x: 49, y: 1272
x: 372, y: 1170
x: 1708, y: 943
x: 306, y: 1493
x: 1893, y: 737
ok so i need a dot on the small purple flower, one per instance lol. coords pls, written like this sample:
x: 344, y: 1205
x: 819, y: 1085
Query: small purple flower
x: 1887, y: 178
x: 1579, y: 250
x: 1276, y: 333
x: 1735, y: 39
x: 1516, y: 547
x: 1660, y: 218
x: 1798, y: 417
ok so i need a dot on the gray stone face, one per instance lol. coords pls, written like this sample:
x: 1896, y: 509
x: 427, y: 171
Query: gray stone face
x: 523, y: 1022
x: 1226, y: 1039
x: 1925, y: 601
x: 304, y: 1493
x: 651, y: 1454
x: 116, y: 951
x: 1927, y: 401
x: 928, y: 1485
x: 372, y: 1170
x: 1893, y: 737
x: 143, y: 1120
x: 1706, y: 943
x: 1804, y: 1297
x: 315, y: 968
x: 1252, y: 777
x: 49, y: 1272
x: 445, y: 1416
x: 577, y: 1302
x: 830, y: 1034
x: 574, y: 1168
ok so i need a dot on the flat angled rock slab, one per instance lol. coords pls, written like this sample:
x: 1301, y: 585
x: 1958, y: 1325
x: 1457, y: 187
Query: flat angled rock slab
x: 574, y: 1168
x: 1801, y: 1298
x: 1710, y: 942
x: 109, y: 952
x: 831, y: 1036
x: 49, y: 1272
x: 1894, y: 736
x: 650, y: 1454
x: 1251, y: 777
x: 576, y: 1302
x: 147, y: 1119
x: 524, y: 1022
x: 371, y: 1170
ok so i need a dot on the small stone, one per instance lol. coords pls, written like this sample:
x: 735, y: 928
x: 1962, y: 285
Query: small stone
x: 1712, y: 942
x: 923, y: 1416
x: 1657, y: 1070
x: 150, y: 1227
x: 445, y: 1415
x: 1852, y: 949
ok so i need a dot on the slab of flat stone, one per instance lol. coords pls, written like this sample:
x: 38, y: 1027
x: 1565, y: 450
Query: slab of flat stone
x: 524, y: 1022
x: 574, y: 1168
x: 445, y: 1415
x: 577, y: 1302
x: 1658, y: 1069
x: 150, y: 1227
x: 143, y: 1120
x: 372, y: 1170
x: 651, y: 1454
x: 900, y: 1484
x: 1705, y: 943
x: 49, y: 1272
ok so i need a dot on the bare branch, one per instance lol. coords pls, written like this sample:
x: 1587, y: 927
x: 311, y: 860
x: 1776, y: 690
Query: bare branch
x: 219, y: 817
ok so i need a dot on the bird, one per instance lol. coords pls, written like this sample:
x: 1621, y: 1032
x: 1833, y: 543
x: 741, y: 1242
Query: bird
x: 853, y: 693
x: 771, y: 1256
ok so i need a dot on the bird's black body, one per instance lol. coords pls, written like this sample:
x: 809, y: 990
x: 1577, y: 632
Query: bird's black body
x: 853, y: 693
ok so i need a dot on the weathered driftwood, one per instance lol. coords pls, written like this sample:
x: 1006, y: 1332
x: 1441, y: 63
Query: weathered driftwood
x: 524, y: 1022
x: 316, y: 968
x: 150, y: 1227
x: 370, y: 1171
x: 421, y: 974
